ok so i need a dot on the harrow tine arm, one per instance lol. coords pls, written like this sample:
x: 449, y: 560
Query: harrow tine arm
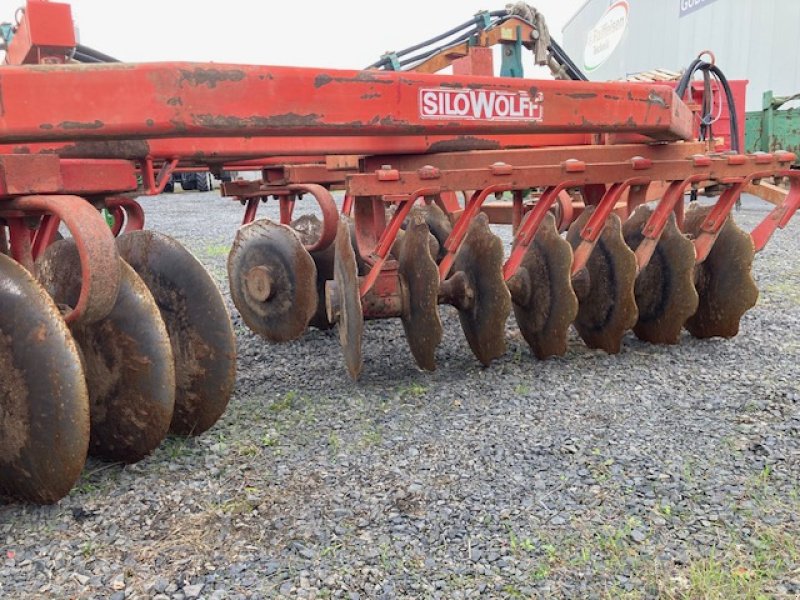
x: 672, y: 201
x: 530, y: 225
x: 456, y: 237
x: 596, y: 224
x: 780, y: 216
x: 155, y: 184
x: 330, y: 214
x: 130, y: 209
x: 45, y: 234
x: 714, y: 221
x: 99, y: 258
x: 389, y: 235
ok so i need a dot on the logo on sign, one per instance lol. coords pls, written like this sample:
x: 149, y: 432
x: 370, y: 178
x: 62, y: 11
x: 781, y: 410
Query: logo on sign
x: 605, y: 36
x: 689, y: 6
x: 480, y: 105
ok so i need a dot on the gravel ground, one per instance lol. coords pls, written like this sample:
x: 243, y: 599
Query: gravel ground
x: 662, y: 471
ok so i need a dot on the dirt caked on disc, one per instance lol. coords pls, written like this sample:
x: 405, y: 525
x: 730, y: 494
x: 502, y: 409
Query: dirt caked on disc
x: 272, y: 280
x: 127, y: 359
x: 197, y: 322
x: 607, y: 305
x: 343, y: 300
x: 665, y: 293
x: 44, y: 404
x: 477, y: 289
x: 309, y: 229
x: 724, y: 279
x: 544, y: 302
x: 420, y: 280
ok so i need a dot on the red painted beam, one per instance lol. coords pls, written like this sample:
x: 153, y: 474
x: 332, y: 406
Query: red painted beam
x: 217, y: 149
x: 124, y: 101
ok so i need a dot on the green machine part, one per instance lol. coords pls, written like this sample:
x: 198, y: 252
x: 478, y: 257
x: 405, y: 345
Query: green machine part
x: 773, y: 128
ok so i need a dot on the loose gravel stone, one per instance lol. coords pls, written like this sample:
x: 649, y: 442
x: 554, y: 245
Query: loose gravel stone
x: 570, y: 477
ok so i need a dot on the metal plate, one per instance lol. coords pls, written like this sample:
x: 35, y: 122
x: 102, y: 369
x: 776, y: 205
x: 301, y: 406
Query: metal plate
x: 484, y: 313
x: 665, y: 293
x: 272, y: 280
x: 420, y: 281
x: 724, y: 280
x: 343, y: 301
x: 607, y: 305
x: 545, y: 304
x: 44, y: 404
x: 198, y: 324
x: 127, y: 360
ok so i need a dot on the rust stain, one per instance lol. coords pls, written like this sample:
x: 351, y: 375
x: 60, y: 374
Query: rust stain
x: 210, y: 77
x: 175, y: 101
x: 582, y: 95
x: 464, y: 143
x: 150, y: 122
x: 106, y: 149
x: 370, y: 96
x: 288, y: 120
x: 324, y: 79
x: 46, y: 126
x: 96, y: 124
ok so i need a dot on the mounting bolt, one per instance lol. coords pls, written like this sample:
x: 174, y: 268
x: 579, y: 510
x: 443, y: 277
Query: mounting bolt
x: 259, y: 283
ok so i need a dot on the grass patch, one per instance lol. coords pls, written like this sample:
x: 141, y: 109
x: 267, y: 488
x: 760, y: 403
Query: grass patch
x: 217, y: 250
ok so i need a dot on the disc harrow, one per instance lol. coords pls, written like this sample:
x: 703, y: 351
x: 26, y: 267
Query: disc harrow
x: 115, y: 336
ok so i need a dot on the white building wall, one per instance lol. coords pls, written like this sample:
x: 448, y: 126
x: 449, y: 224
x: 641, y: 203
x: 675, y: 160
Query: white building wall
x: 756, y: 40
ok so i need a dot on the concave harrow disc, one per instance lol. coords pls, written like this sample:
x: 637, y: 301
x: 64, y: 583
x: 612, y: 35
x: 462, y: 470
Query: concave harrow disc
x: 665, y: 293
x: 309, y: 228
x: 544, y: 302
x: 723, y: 280
x: 420, y: 279
x: 44, y: 405
x: 127, y: 360
x: 607, y: 305
x: 198, y: 324
x: 343, y: 300
x: 477, y: 289
x: 272, y: 280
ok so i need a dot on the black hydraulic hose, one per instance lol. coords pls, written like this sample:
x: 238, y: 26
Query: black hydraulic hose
x: 420, y: 57
x: 433, y: 40
x: 92, y: 53
x: 85, y: 58
x: 563, y: 59
x: 700, y: 65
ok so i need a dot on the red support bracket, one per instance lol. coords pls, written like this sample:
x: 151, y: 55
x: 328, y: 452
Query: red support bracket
x: 389, y: 235
x: 597, y: 222
x: 155, y: 184
x: 456, y: 237
x: 780, y: 216
x: 530, y: 225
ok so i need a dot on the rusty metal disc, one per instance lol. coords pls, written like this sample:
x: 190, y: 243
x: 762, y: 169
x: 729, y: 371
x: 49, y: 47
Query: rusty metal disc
x: 197, y: 322
x: 343, y: 300
x: 545, y: 304
x: 309, y: 228
x: 272, y: 280
x: 127, y: 360
x: 44, y: 404
x: 665, y: 293
x: 420, y: 280
x: 723, y: 280
x: 606, y: 302
x: 477, y: 289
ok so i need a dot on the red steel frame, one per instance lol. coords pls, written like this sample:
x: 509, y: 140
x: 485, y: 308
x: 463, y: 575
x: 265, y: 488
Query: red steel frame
x: 177, y: 115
